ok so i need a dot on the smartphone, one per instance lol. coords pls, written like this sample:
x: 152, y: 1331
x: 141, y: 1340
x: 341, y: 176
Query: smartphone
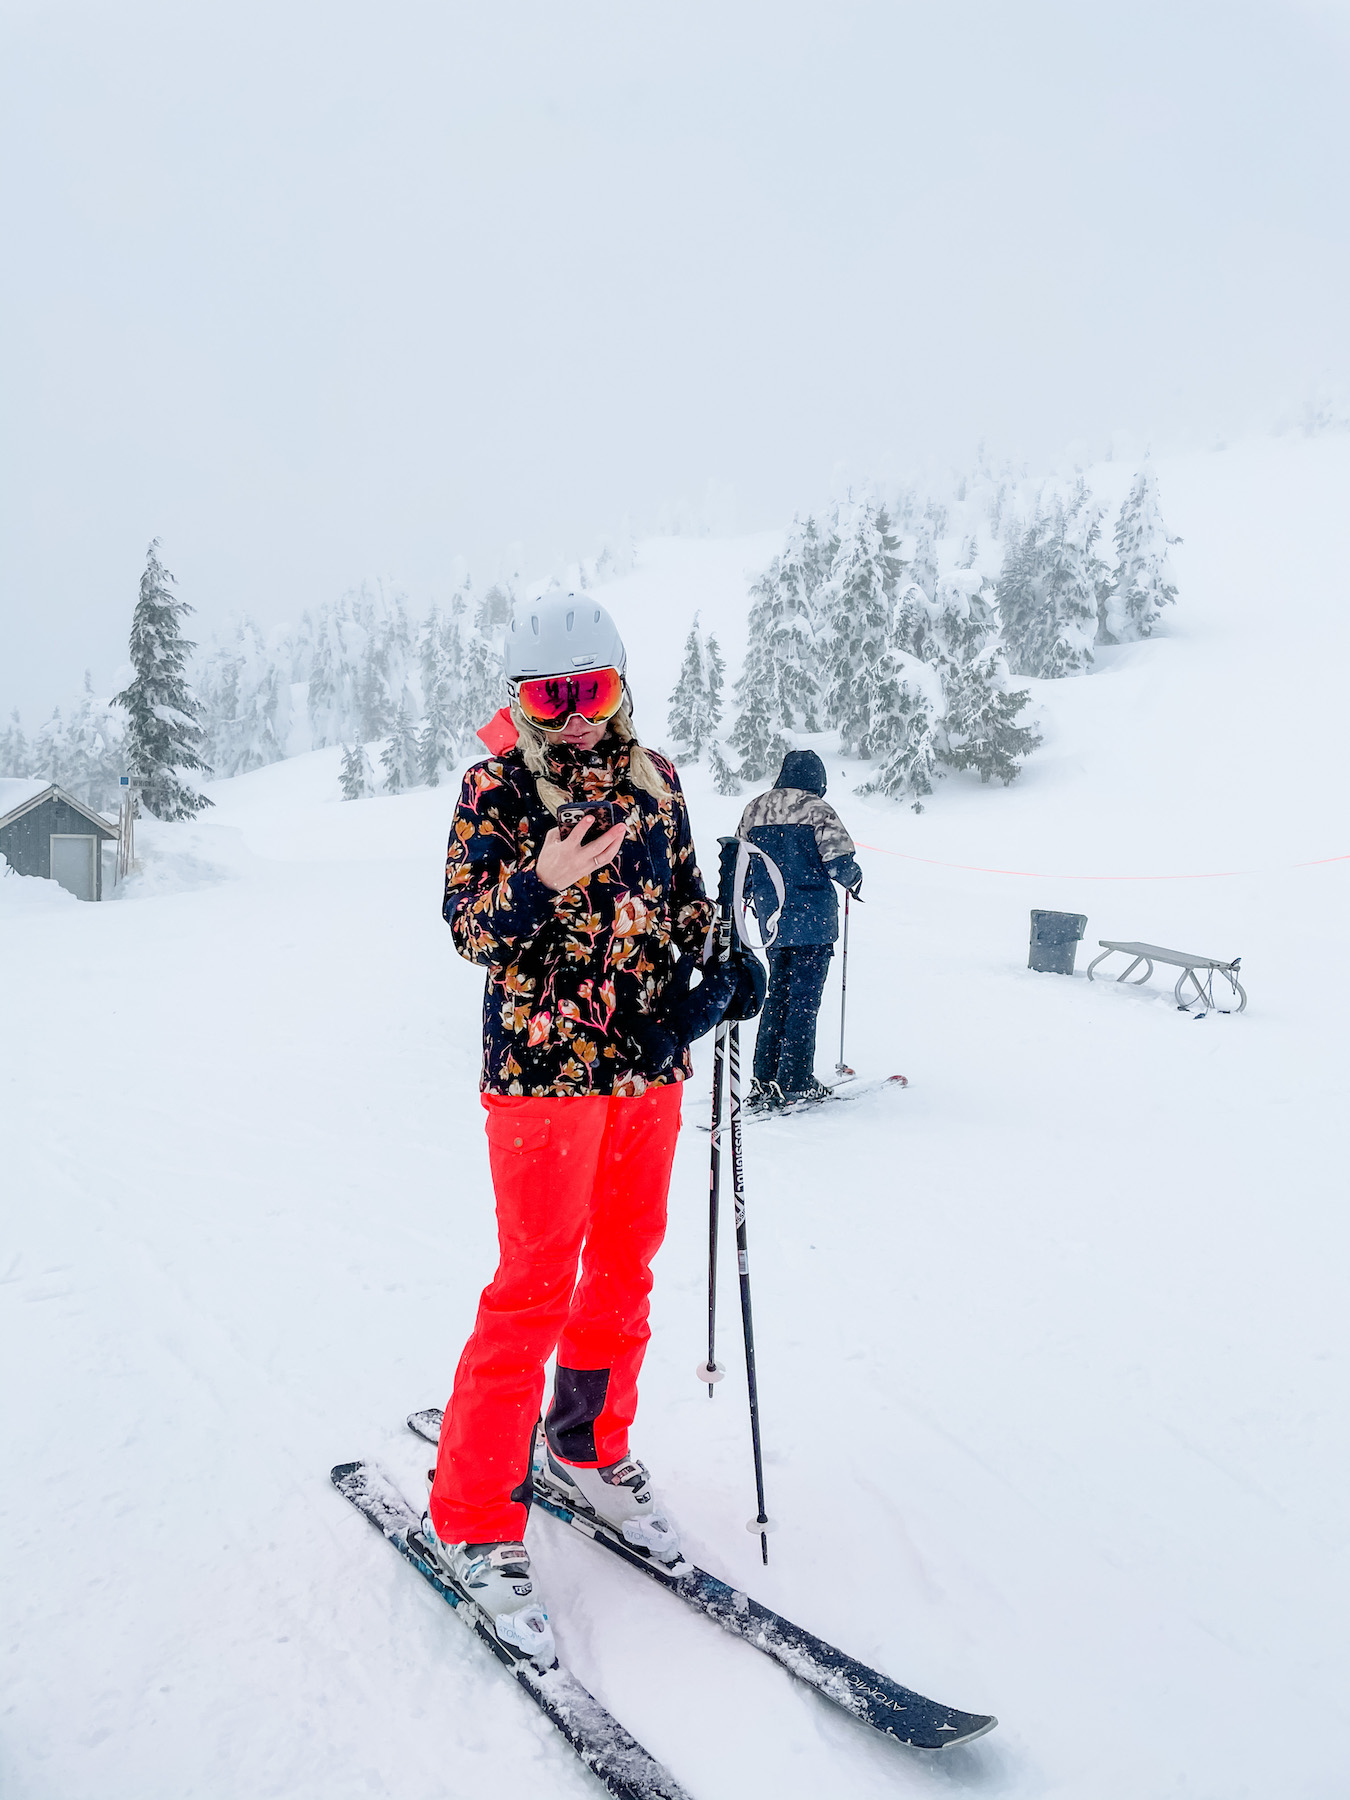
x: 604, y: 812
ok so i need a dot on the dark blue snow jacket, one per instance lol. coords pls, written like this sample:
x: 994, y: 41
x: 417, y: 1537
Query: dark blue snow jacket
x: 804, y: 835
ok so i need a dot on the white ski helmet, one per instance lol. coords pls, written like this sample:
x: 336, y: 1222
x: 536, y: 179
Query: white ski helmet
x: 559, y: 632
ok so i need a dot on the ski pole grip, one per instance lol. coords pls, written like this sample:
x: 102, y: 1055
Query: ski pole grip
x: 726, y: 876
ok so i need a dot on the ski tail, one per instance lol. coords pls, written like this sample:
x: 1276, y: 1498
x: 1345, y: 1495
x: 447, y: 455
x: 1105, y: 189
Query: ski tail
x: 612, y: 1754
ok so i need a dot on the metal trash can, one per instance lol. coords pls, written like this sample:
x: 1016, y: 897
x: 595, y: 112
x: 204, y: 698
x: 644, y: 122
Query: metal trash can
x: 1054, y: 941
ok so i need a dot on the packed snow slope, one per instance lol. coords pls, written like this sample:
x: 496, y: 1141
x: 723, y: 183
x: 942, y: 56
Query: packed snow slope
x: 1052, y: 1345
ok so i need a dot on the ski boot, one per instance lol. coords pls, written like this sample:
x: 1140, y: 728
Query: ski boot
x: 496, y: 1577
x: 619, y: 1496
x: 810, y: 1095
x: 762, y: 1096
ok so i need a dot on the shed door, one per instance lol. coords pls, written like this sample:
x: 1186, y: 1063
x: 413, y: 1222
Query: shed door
x: 73, y: 863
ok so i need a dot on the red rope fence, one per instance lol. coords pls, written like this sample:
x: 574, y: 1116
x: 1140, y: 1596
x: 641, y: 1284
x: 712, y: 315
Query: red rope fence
x: 1039, y: 875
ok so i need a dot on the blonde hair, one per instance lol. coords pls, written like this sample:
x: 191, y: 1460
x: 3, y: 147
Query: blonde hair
x: 533, y: 745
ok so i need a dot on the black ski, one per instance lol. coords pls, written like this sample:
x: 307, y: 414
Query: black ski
x: 845, y: 1089
x: 868, y: 1696
x: 620, y: 1762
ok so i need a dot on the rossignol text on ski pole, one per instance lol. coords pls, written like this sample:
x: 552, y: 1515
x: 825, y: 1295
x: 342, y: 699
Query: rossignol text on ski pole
x: 732, y: 874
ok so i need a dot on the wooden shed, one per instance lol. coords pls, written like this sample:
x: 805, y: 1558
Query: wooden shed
x: 46, y: 831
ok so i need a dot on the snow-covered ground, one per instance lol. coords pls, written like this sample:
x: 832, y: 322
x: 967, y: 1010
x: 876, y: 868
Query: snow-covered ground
x: 1053, y: 1346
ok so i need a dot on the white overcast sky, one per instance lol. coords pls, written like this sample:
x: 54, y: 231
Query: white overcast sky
x: 318, y: 292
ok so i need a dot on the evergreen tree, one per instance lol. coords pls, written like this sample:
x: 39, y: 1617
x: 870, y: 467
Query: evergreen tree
x: 725, y: 778
x: 857, y: 608
x: 375, y: 687
x: 955, y: 622
x: 690, y: 717
x: 245, y: 696
x: 1132, y: 602
x: 904, y: 737
x: 442, y: 677
x: 780, y: 670
x: 357, y: 778
x: 1047, y: 591
x: 715, y: 677
x: 978, y: 722
x: 484, y: 685
x: 923, y: 569
x: 48, y: 753
x: 756, y: 739
x: 163, y: 716
x: 92, y: 751
x: 399, y: 757
x: 13, y: 748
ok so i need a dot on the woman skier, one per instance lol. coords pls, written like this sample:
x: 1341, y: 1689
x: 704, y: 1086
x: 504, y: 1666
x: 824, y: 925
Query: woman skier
x: 589, y: 935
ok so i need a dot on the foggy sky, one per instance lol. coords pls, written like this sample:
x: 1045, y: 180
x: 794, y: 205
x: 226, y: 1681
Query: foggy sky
x: 318, y: 292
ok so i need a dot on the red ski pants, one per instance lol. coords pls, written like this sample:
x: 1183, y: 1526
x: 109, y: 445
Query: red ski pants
x: 578, y: 1181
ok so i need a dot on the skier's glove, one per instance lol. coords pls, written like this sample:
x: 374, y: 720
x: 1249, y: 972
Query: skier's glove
x: 845, y: 870
x: 684, y: 1014
x: 751, y: 985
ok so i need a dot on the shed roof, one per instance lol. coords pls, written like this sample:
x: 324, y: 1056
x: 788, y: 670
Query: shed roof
x: 19, y: 796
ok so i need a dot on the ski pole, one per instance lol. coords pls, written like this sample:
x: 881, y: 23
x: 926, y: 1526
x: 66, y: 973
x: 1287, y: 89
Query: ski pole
x: 711, y: 1371
x: 841, y: 1067
x: 761, y: 1522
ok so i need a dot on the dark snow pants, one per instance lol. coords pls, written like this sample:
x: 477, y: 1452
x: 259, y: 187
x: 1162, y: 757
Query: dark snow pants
x: 785, y: 1050
x: 579, y: 1181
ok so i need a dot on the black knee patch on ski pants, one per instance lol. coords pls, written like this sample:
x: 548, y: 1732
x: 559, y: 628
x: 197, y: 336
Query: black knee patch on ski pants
x: 578, y: 1401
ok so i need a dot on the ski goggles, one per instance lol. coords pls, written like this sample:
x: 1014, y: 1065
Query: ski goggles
x: 549, y: 701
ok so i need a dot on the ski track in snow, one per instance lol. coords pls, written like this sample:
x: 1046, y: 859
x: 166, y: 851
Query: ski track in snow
x: 1052, y: 1345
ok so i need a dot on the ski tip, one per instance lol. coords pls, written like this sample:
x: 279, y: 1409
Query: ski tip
x: 980, y: 1726
x: 341, y: 1472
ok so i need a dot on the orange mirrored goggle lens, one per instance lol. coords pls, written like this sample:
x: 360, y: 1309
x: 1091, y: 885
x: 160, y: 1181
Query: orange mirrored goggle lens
x: 550, y: 700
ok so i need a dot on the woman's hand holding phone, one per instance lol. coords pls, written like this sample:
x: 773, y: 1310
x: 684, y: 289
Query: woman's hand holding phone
x: 564, y: 861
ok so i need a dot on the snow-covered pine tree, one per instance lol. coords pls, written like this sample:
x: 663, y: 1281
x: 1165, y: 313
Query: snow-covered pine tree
x: 756, y: 739
x: 93, y: 751
x: 245, y: 696
x: 442, y: 674
x: 689, y: 715
x: 357, y: 778
x: 48, y: 752
x: 902, y: 732
x: 955, y: 622
x: 13, y: 748
x: 979, y: 721
x: 781, y: 659
x: 715, y: 676
x: 1047, y: 591
x: 725, y: 778
x: 484, y: 685
x: 923, y: 567
x: 377, y: 696
x: 399, y: 758
x: 857, y: 614
x: 1132, y: 602
x: 493, y: 612
x: 164, y: 730
x: 334, y: 676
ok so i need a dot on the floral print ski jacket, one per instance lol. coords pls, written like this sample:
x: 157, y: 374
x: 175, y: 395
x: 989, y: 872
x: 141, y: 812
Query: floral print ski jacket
x: 565, y: 971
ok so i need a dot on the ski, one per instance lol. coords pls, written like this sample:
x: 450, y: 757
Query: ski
x: 866, y: 1695
x: 615, y: 1757
x: 847, y: 1088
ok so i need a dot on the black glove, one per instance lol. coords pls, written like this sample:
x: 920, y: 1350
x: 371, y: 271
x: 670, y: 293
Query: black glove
x: 751, y: 985
x: 684, y: 1013
x: 845, y: 870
